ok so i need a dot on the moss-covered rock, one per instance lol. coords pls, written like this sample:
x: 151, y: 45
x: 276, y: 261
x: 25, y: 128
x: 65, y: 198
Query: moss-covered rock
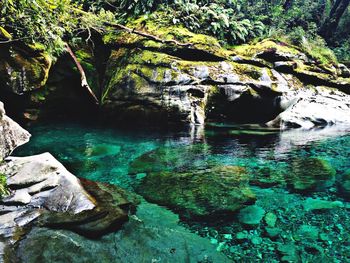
x: 23, y: 68
x: 344, y: 185
x: 311, y: 174
x: 163, y: 81
x: 201, y: 193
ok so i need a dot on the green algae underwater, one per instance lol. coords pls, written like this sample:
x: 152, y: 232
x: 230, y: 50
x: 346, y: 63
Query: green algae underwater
x: 222, y: 193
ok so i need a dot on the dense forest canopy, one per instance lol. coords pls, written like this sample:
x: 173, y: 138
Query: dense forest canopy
x: 311, y: 24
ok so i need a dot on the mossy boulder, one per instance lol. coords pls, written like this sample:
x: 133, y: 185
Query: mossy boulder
x: 23, y: 68
x: 216, y: 192
x: 268, y: 177
x: 311, y: 174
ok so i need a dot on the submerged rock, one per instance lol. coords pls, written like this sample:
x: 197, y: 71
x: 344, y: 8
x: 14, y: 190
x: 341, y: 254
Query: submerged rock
x: 251, y: 215
x: 11, y: 134
x: 344, y: 185
x: 321, y: 205
x: 201, y: 193
x: 311, y: 174
x: 169, y: 158
x: 152, y: 235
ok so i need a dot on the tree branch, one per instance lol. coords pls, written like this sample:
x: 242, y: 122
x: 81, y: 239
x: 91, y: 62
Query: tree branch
x: 84, y: 82
x: 149, y: 36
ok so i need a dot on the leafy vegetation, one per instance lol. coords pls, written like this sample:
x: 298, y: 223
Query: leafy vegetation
x: 3, y: 188
x: 48, y: 22
x: 310, y: 24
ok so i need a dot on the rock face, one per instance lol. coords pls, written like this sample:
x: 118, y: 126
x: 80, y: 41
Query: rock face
x: 268, y: 82
x: 314, y: 107
x: 22, y: 68
x: 11, y: 134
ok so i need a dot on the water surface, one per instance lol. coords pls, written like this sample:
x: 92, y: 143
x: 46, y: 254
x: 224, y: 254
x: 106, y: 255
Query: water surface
x: 296, y: 184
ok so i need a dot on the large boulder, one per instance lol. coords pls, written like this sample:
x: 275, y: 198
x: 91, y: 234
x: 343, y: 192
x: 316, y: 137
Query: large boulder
x: 11, y: 134
x: 43, y: 193
x: 311, y: 174
x: 314, y: 107
x: 219, y: 191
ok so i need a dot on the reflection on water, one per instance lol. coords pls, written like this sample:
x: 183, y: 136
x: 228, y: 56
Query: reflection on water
x: 256, y: 194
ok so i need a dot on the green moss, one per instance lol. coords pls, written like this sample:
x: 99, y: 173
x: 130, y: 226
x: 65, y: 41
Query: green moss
x: 3, y: 186
x: 247, y: 71
x: 249, y: 50
x: 199, y: 193
x: 160, y: 25
x: 311, y: 174
x: 87, y: 61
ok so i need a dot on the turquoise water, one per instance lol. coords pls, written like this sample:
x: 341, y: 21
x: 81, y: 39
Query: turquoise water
x: 255, y: 194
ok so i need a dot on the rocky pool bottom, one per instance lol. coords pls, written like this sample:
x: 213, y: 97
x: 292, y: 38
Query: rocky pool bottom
x: 220, y: 194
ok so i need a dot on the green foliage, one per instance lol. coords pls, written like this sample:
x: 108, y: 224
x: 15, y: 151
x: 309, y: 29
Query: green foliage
x: 221, y: 19
x: 218, y: 18
x: 3, y: 188
x: 48, y: 22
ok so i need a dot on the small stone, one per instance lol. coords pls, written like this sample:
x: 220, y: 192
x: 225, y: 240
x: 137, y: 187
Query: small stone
x: 324, y: 237
x: 139, y: 176
x: 242, y: 235
x: 311, y: 204
x: 213, y: 241
x: 270, y: 219
x: 251, y: 215
x: 228, y: 236
x: 220, y: 247
x: 289, y: 252
x: 273, y: 232
x: 308, y: 232
x: 256, y: 240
